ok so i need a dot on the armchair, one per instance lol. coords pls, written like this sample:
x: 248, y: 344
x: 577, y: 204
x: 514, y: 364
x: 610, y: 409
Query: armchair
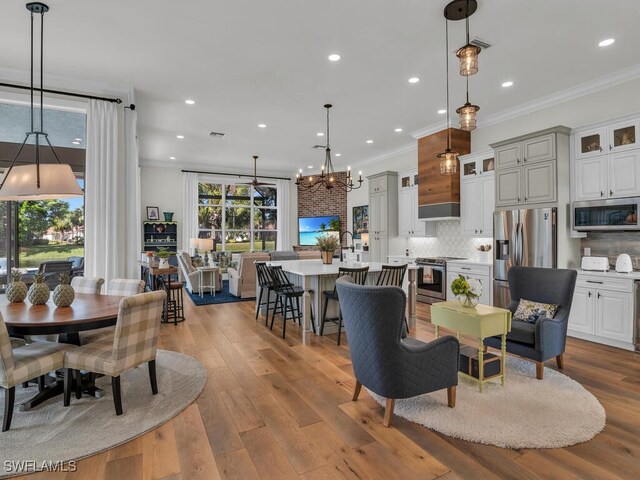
x: 242, y: 282
x: 191, y: 275
x: 382, y: 361
x: 546, y: 338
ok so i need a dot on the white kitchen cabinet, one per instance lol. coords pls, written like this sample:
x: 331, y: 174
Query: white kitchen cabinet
x: 623, y: 135
x: 508, y: 187
x: 479, y: 272
x: 539, y: 181
x: 383, y: 214
x: 409, y: 225
x: 624, y: 174
x: 508, y: 156
x: 590, y: 142
x: 477, y: 194
x: 539, y: 149
x: 591, y: 178
x: 602, y: 309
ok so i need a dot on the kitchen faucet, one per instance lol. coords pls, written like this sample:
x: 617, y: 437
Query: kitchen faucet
x: 342, y: 234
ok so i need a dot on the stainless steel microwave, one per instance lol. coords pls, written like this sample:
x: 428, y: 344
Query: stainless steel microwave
x: 603, y: 215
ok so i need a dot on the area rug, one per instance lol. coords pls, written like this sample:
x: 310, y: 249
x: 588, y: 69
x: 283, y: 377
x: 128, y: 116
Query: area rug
x: 525, y: 413
x: 53, y: 433
x: 223, y: 296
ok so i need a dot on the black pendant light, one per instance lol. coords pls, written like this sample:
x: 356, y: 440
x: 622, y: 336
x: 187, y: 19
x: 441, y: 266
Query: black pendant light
x: 38, y: 181
x: 448, y: 158
x: 327, y: 178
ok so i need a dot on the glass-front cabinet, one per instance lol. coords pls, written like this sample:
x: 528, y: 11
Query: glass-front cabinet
x: 623, y: 136
x: 608, y: 138
x: 591, y: 143
x: 476, y: 166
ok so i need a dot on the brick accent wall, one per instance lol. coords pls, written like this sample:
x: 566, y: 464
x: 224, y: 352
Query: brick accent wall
x: 325, y: 202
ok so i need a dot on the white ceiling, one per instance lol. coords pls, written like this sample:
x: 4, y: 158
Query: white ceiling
x: 247, y: 62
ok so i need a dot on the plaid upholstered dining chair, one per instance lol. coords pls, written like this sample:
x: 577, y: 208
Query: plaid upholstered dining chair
x: 133, y: 344
x: 24, y: 364
x: 87, y: 284
x: 118, y: 286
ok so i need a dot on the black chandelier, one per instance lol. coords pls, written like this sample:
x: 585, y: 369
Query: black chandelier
x: 328, y: 177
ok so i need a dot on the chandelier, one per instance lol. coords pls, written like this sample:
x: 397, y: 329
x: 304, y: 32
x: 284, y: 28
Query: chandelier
x: 328, y: 177
x: 35, y: 181
x: 448, y: 158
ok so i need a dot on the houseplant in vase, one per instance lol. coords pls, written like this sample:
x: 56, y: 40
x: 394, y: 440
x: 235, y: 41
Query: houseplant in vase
x: 484, y: 252
x: 39, y: 292
x: 163, y: 254
x: 17, y: 289
x: 327, y: 244
x: 468, y: 291
x: 63, y: 294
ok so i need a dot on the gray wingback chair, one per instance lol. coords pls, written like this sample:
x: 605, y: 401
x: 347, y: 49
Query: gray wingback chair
x: 547, y: 337
x: 385, y: 363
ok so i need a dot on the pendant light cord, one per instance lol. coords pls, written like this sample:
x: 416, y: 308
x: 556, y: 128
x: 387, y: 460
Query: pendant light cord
x: 32, y: 72
x: 446, y: 30
x: 41, y: 71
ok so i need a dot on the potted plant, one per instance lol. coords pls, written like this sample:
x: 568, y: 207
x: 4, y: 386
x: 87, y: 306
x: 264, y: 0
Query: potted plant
x: 163, y: 254
x: 327, y: 244
x: 467, y: 291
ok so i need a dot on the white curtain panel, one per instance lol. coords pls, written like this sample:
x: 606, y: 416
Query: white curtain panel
x: 190, y: 208
x: 103, y: 197
x: 283, y: 240
x: 132, y: 215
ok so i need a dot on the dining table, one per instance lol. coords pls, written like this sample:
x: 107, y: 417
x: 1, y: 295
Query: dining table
x: 315, y: 277
x: 88, y: 312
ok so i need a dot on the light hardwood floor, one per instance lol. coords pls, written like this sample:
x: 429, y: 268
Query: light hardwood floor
x: 275, y: 409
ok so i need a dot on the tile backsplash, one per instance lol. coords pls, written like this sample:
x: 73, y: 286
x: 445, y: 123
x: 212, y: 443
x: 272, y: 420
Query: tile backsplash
x: 448, y: 242
x: 612, y: 244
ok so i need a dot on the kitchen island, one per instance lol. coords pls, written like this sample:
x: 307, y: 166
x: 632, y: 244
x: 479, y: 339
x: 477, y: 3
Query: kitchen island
x: 314, y: 277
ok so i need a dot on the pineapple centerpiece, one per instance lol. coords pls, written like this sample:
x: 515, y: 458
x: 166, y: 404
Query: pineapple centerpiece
x: 17, y: 289
x: 39, y: 291
x: 63, y: 294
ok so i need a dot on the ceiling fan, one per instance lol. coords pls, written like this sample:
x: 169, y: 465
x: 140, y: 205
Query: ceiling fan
x: 255, y: 181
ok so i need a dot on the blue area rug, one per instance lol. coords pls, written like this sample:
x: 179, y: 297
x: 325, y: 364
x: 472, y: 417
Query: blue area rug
x: 223, y: 296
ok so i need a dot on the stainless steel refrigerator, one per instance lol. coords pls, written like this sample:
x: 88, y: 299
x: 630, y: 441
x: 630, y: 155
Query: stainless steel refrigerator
x: 522, y: 237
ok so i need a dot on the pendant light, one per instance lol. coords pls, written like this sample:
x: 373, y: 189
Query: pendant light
x: 467, y: 113
x: 38, y: 181
x: 448, y: 158
x: 468, y: 54
x: 327, y: 178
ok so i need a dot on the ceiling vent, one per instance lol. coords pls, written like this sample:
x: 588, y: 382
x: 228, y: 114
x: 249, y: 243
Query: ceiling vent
x: 217, y: 134
x: 480, y: 43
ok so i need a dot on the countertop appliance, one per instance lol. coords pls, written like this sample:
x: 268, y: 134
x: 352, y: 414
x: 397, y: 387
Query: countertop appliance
x: 522, y: 237
x: 624, y: 263
x: 606, y: 215
x: 595, y: 264
x: 432, y: 278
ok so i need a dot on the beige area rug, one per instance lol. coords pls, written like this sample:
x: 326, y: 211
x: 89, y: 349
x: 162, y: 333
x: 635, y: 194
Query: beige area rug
x: 52, y: 433
x: 525, y: 413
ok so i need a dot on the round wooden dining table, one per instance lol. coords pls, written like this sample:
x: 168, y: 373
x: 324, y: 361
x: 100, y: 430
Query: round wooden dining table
x: 88, y: 312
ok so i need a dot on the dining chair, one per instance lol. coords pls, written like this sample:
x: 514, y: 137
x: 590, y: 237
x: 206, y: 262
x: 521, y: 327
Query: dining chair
x: 123, y: 287
x: 133, y: 344
x: 393, y: 276
x: 359, y: 276
x: 87, y: 285
x: 23, y: 364
x: 286, y: 293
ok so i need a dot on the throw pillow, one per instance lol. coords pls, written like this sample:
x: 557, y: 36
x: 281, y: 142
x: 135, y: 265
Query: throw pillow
x: 530, y: 311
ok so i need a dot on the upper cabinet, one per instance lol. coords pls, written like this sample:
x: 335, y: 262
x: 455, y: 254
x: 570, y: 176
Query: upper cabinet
x: 408, y: 223
x: 383, y: 213
x: 477, y: 198
x: 527, y: 169
x: 606, y: 160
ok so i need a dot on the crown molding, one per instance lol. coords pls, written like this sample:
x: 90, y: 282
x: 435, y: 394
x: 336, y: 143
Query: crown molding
x: 208, y: 167
x: 429, y: 130
x: 409, y: 147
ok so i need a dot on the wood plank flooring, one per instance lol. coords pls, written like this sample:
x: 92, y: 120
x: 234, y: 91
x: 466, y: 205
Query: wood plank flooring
x: 275, y: 409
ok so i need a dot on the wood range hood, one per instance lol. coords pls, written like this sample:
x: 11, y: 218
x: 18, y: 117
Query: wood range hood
x: 439, y: 195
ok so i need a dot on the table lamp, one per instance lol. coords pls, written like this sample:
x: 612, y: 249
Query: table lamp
x: 193, y: 243
x: 205, y: 244
x: 365, y: 241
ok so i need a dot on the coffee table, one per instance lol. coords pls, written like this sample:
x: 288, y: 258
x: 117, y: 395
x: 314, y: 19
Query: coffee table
x: 481, y: 321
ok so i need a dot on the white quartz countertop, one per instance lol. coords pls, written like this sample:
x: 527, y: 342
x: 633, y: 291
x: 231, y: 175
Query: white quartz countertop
x: 610, y: 274
x: 402, y: 256
x: 471, y: 261
x: 317, y: 268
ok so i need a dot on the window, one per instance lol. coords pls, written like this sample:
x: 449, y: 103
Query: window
x: 238, y: 217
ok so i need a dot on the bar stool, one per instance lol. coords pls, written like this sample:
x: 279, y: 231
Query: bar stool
x: 286, y: 292
x: 359, y: 276
x: 174, y: 303
x: 393, y: 276
x: 264, y: 282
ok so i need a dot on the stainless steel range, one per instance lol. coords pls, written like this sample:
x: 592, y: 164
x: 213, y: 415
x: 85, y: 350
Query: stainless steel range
x: 432, y: 278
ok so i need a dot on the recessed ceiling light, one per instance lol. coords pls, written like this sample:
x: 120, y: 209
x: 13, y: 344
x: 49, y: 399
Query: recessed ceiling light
x: 262, y: 125
x: 507, y: 84
x: 398, y: 130
x: 334, y: 57
x: 320, y: 134
x: 172, y: 158
x: 309, y: 166
x: 442, y: 111
x: 75, y: 142
x: 369, y: 141
x: 180, y: 136
x: 606, y: 42
x: 188, y: 101
x: 338, y: 154
x: 78, y: 139
x: 414, y: 80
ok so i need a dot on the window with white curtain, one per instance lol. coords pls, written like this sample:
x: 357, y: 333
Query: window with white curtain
x: 238, y: 217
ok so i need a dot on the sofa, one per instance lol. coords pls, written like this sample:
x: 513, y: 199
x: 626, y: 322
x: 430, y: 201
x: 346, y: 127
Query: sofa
x: 191, y: 275
x: 242, y: 281
x: 282, y: 255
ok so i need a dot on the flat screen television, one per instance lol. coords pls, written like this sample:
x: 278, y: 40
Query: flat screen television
x: 310, y: 228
